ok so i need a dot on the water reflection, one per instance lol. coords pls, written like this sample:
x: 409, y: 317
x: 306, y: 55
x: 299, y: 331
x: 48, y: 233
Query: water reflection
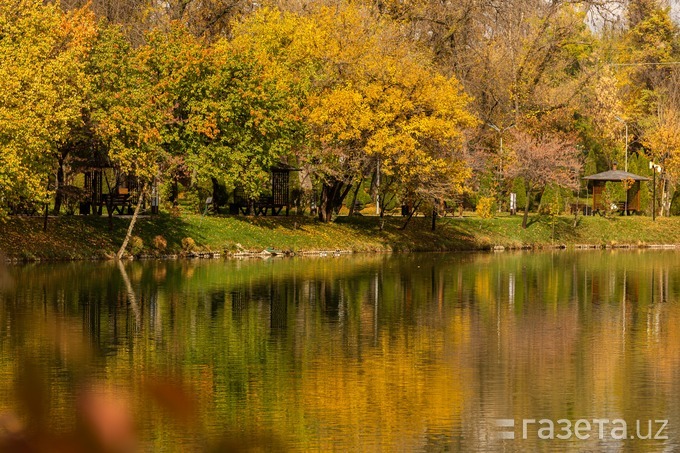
x: 411, y: 352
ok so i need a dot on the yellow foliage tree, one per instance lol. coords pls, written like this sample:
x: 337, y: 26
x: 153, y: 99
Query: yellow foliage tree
x: 366, y: 94
x: 662, y: 141
x: 42, y: 66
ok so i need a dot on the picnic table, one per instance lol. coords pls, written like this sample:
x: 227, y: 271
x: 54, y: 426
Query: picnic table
x: 120, y: 202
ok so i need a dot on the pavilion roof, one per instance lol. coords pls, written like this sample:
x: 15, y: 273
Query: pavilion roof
x: 282, y: 166
x: 615, y: 175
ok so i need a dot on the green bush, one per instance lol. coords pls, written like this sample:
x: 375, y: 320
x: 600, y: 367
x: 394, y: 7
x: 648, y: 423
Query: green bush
x: 196, y: 196
x: 165, y: 190
x: 612, y: 194
x: 552, y: 201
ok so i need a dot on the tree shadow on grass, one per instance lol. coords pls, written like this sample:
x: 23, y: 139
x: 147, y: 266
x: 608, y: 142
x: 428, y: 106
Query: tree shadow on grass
x: 290, y: 222
x: 384, y: 232
x: 85, y: 237
x: 564, y: 229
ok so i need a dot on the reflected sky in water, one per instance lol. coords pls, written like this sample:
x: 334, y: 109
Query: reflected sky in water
x: 421, y: 352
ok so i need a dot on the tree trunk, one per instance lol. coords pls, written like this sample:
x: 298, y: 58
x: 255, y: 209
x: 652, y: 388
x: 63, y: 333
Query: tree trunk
x: 332, y: 197
x: 216, y: 195
x: 341, y: 198
x: 666, y: 199
x: 174, y: 194
x: 324, y: 211
x: 410, y: 215
x: 354, y: 197
x: 384, y: 204
x: 526, y: 207
x: 434, y: 216
x: 142, y: 194
x: 59, y: 196
x: 45, y: 218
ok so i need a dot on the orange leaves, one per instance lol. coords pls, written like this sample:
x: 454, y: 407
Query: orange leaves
x: 208, y: 127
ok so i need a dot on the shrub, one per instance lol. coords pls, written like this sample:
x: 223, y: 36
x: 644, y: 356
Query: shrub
x: 485, y: 207
x: 195, y: 198
x: 188, y: 245
x: 136, y: 245
x: 160, y: 243
x: 173, y: 210
x: 551, y: 201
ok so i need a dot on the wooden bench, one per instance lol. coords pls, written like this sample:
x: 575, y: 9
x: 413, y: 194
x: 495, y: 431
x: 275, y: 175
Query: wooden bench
x: 258, y: 207
x: 581, y: 208
x: 118, y: 202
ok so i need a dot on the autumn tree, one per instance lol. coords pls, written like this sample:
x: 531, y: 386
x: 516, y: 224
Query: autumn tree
x: 242, y: 122
x: 543, y: 160
x: 365, y: 95
x: 647, y: 81
x: 42, y: 54
x: 390, y: 105
x: 646, y: 48
x: 180, y: 64
x: 662, y: 142
x: 128, y: 109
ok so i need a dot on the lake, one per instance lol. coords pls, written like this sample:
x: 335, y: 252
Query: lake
x: 564, y: 351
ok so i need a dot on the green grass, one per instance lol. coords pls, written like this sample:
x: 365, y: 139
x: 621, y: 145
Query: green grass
x: 74, y: 237
x: 544, y: 231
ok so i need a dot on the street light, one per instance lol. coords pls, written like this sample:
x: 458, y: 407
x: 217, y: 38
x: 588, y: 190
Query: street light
x: 625, y: 124
x: 655, y: 169
x: 500, y: 165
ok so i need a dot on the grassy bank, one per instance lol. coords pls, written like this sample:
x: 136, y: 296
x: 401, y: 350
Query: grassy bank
x: 71, y: 237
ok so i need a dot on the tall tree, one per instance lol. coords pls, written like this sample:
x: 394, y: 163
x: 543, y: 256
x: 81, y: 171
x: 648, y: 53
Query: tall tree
x: 367, y: 95
x: 662, y: 141
x: 242, y: 121
x: 42, y: 55
x: 128, y: 109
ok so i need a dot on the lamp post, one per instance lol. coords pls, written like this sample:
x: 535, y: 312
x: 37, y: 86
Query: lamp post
x: 655, y: 168
x: 500, y: 165
x: 626, y: 125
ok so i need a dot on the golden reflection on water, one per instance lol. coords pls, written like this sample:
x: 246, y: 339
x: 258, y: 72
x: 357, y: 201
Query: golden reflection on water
x: 392, y: 353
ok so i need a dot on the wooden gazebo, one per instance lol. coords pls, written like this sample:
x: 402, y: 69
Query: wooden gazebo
x: 106, y: 187
x: 599, y: 180
x: 277, y: 198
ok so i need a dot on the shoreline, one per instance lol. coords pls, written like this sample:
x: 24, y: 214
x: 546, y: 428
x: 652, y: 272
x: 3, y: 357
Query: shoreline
x: 75, y: 238
x: 337, y: 253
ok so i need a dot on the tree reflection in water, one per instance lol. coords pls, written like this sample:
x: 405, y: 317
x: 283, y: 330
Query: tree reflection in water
x: 416, y: 352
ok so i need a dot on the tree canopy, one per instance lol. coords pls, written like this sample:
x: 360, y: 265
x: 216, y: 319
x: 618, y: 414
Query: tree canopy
x: 400, y: 94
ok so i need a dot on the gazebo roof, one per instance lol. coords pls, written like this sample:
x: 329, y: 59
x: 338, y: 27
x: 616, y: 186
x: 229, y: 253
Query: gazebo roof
x: 615, y: 175
x: 282, y: 166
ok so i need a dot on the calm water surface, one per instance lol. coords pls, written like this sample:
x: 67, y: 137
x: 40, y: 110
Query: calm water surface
x: 420, y: 352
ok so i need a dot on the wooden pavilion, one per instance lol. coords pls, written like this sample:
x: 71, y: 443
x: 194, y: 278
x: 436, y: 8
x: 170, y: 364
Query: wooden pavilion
x: 106, y: 187
x: 599, y: 180
x: 275, y: 200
